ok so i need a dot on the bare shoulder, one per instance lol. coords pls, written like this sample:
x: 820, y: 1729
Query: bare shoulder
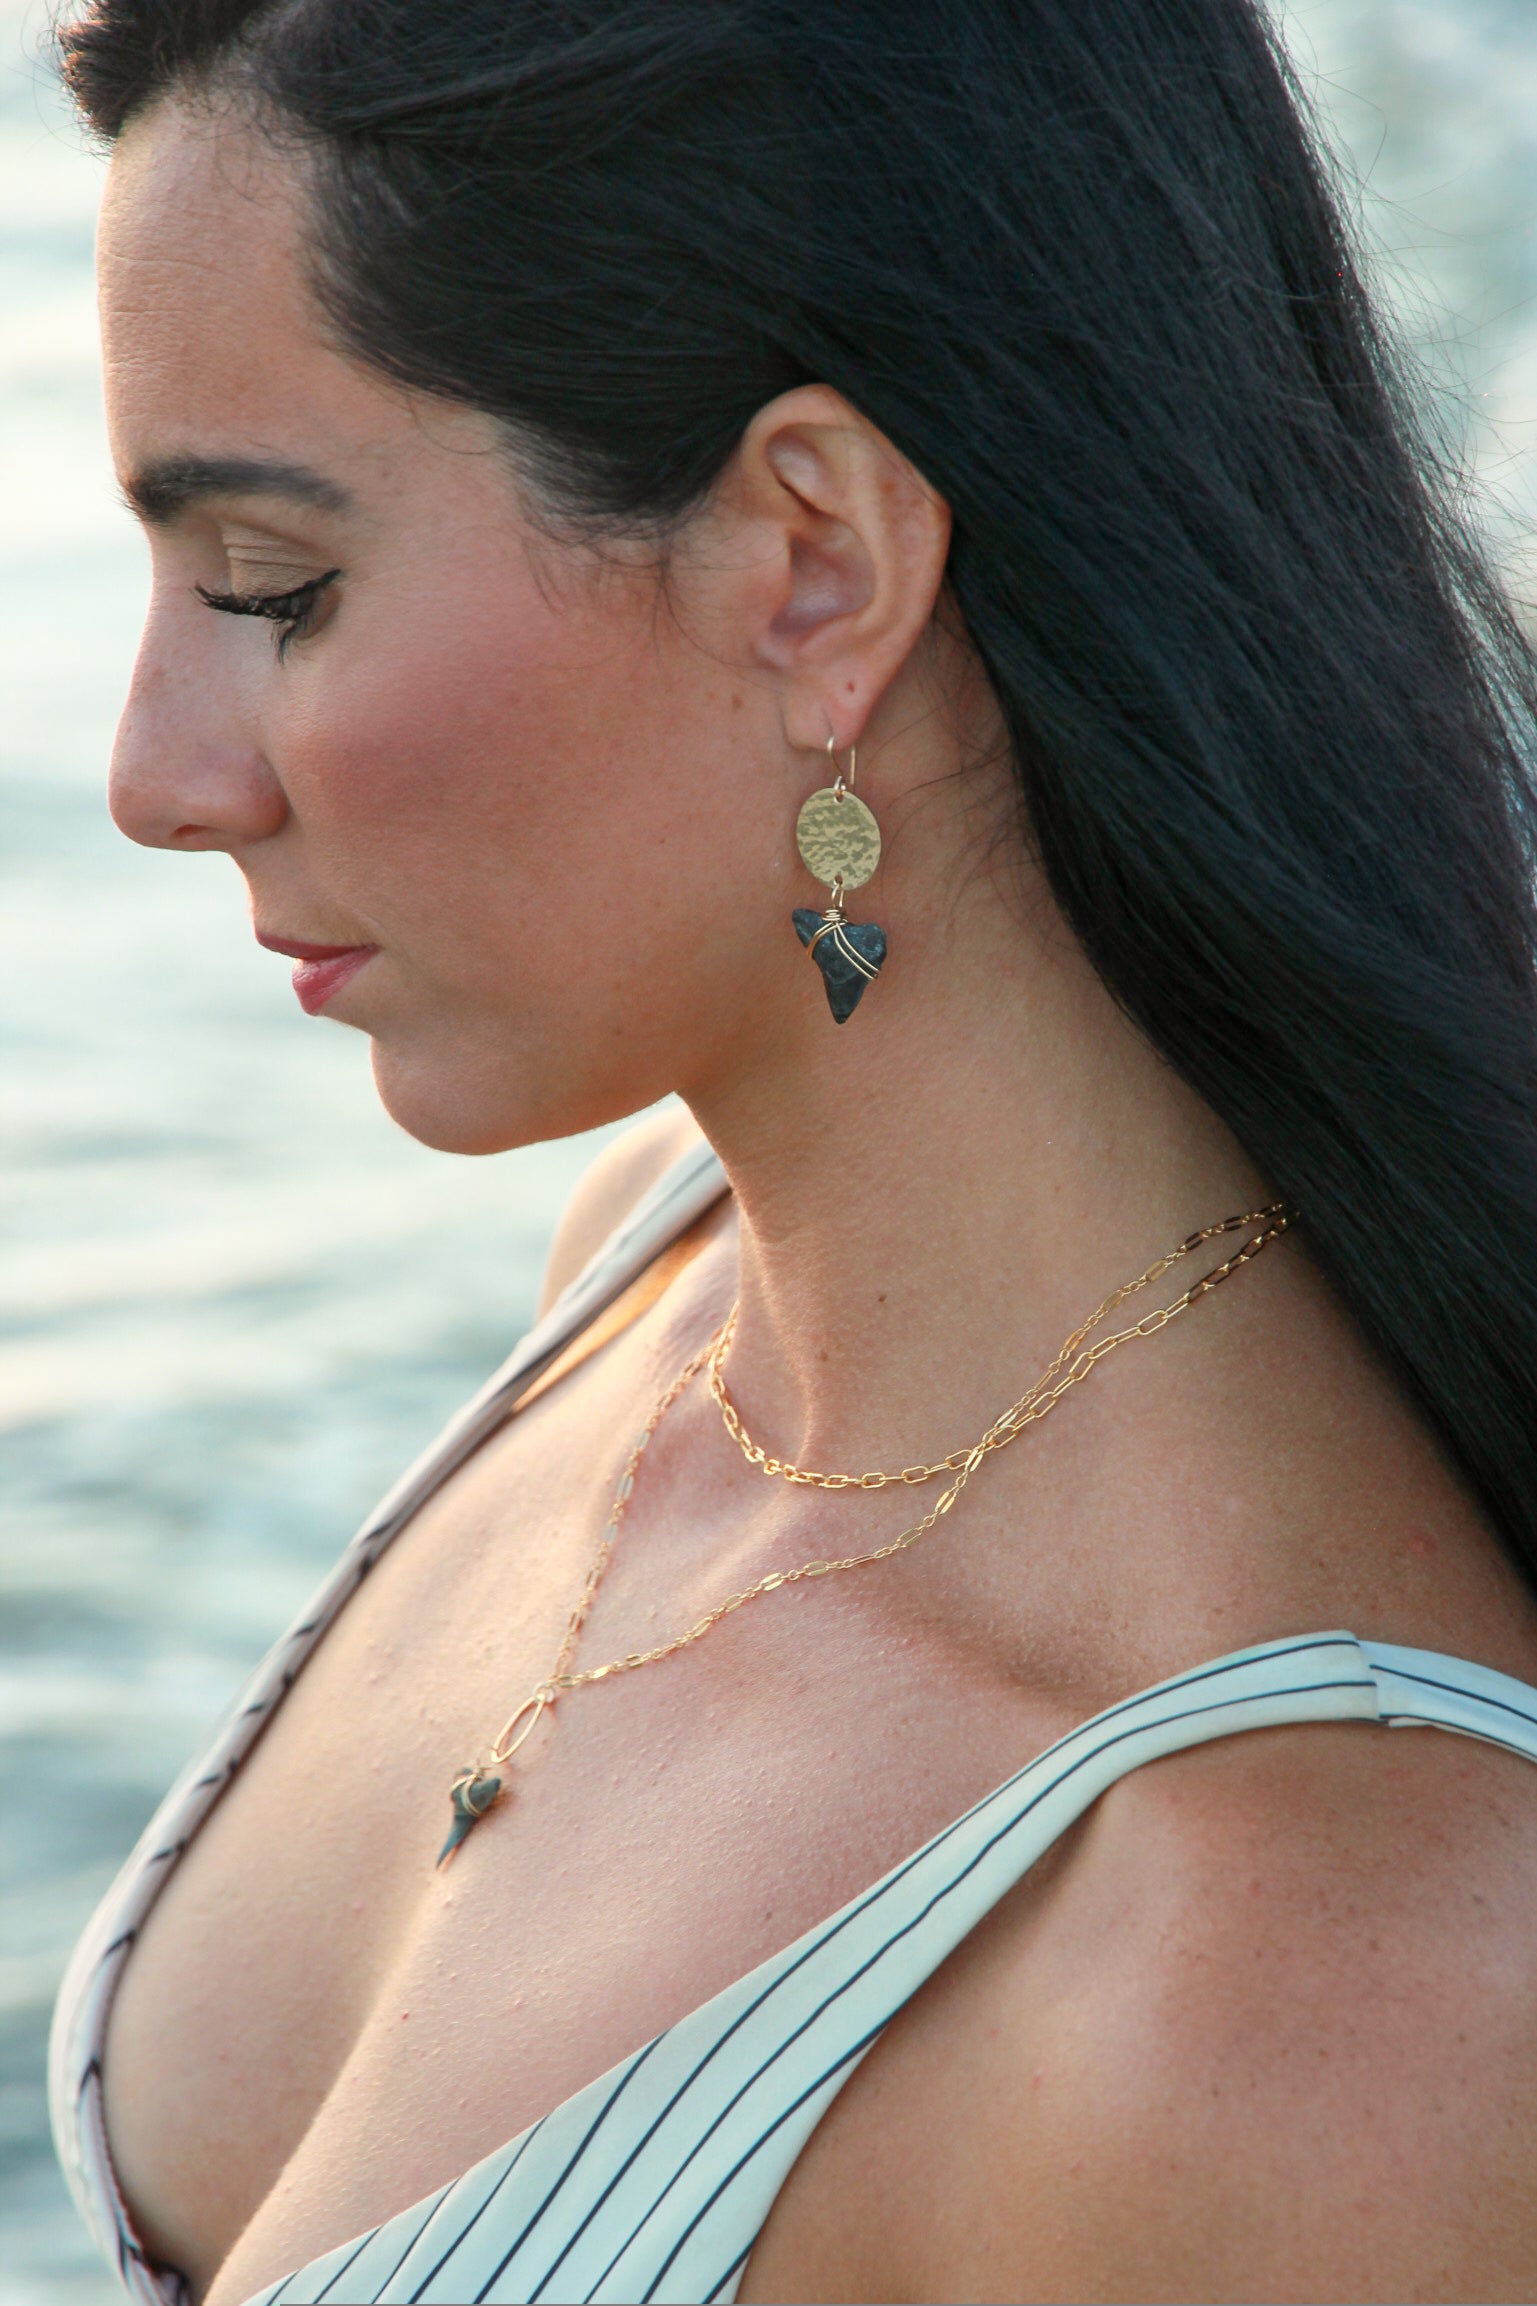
x: 628, y: 1166
x: 1264, y: 2028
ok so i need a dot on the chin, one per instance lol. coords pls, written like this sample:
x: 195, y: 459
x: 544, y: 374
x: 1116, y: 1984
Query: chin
x: 493, y: 1106
x: 450, y: 1110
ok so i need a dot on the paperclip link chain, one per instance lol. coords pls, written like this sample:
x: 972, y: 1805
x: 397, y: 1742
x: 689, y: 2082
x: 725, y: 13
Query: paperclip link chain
x: 1012, y: 1423
x: 1069, y: 1368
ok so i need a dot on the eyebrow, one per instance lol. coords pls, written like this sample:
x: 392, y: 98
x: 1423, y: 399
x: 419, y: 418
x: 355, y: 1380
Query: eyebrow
x: 160, y: 493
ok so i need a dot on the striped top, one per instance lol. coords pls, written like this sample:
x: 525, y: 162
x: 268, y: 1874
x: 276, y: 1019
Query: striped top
x: 654, y: 2181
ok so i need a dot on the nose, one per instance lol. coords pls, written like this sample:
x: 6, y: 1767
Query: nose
x: 186, y: 773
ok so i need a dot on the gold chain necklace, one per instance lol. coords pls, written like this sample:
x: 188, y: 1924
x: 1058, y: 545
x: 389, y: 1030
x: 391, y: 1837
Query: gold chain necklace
x: 482, y: 1783
x: 1031, y: 1404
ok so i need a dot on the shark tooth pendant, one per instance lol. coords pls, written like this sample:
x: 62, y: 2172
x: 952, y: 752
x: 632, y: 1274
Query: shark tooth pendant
x: 481, y: 1783
x: 473, y: 1792
x: 840, y: 844
x: 848, y: 953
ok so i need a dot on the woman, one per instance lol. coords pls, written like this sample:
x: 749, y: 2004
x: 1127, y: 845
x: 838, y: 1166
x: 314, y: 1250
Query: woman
x: 917, y: 485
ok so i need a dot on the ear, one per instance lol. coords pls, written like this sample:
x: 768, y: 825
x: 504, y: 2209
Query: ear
x: 857, y: 544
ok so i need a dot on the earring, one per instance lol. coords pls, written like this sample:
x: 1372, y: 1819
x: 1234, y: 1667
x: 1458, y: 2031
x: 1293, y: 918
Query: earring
x: 840, y: 843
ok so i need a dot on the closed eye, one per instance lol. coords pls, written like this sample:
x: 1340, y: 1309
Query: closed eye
x: 293, y: 611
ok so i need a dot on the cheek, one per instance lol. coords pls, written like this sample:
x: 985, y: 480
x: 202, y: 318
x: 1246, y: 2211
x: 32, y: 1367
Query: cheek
x: 432, y: 764
x: 522, y: 807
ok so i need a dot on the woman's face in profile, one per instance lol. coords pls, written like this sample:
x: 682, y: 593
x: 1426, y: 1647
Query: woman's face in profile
x: 490, y: 775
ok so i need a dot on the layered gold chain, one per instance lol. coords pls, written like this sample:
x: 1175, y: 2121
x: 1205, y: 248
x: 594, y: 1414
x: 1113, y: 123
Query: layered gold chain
x: 1037, y: 1400
x: 481, y: 1783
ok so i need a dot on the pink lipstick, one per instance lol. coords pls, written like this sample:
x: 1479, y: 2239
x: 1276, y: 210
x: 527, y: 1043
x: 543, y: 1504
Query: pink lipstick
x: 320, y: 970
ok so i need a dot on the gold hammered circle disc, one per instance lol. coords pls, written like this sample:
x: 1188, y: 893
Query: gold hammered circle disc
x: 837, y: 834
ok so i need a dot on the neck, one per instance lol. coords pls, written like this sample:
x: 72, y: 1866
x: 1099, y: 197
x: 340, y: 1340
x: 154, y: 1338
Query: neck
x: 932, y: 1195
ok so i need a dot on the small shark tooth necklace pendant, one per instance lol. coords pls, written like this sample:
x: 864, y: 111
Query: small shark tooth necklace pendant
x: 840, y: 843
x: 481, y: 1784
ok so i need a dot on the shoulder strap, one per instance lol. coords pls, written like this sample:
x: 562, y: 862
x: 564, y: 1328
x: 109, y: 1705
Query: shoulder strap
x: 652, y: 1283
x: 1418, y: 1688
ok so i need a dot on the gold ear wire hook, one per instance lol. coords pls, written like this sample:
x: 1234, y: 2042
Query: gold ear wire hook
x: 842, y: 785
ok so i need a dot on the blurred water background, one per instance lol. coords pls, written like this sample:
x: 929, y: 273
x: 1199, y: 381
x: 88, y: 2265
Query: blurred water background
x: 237, y: 1299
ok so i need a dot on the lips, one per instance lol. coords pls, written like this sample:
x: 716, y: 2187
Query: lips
x: 321, y: 970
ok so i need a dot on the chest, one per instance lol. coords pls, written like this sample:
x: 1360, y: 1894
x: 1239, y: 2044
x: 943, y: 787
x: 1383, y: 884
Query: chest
x: 317, y: 2029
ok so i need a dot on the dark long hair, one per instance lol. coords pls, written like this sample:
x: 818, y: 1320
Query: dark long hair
x: 1080, y: 261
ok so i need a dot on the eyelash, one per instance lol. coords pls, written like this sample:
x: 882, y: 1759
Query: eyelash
x: 293, y: 611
